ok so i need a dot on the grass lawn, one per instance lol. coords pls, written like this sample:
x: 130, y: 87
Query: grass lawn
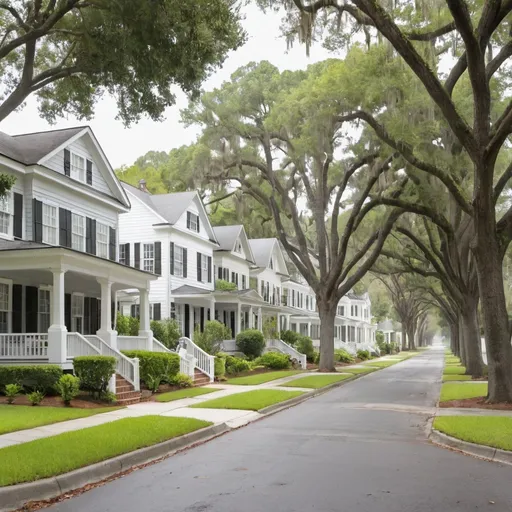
x: 317, y: 381
x: 452, y: 359
x: 447, y: 378
x: 460, y: 391
x: 260, y: 378
x: 489, y: 430
x: 381, y: 364
x: 183, y: 393
x: 348, y: 369
x: 454, y: 370
x: 72, y: 450
x: 21, y: 417
x: 251, y: 400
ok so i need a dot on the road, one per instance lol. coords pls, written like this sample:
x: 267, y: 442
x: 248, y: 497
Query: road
x: 359, y: 448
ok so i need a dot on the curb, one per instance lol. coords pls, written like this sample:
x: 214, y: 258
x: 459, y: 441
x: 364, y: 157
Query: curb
x: 476, y: 450
x: 15, y: 496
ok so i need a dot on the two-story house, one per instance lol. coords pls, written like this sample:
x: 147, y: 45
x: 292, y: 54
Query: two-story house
x: 170, y: 235
x: 59, y: 265
x: 299, y: 296
x: 353, y: 320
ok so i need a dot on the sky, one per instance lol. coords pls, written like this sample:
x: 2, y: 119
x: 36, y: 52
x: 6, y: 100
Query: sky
x: 124, y: 145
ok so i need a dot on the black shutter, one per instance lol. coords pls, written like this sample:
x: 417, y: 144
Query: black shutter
x: 171, y: 257
x: 209, y: 269
x: 89, y: 172
x: 137, y: 255
x: 187, y: 321
x: 132, y: 311
x: 158, y: 258
x: 112, y: 244
x: 188, y: 220
x: 18, y: 217
x: 202, y: 320
x: 243, y: 282
x: 127, y: 254
x: 197, y: 224
x: 31, y: 300
x: 64, y: 227
x: 157, y: 311
x: 67, y: 311
x: 17, y: 308
x: 219, y: 272
x: 90, y: 236
x: 87, y: 315
x: 112, y: 314
x: 37, y: 213
x: 94, y: 315
x: 199, y: 266
x: 67, y: 162
x: 185, y: 256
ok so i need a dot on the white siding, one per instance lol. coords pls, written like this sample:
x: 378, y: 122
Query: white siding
x: 305, y: 290
x: 181, y: 223
x: 268, y: 275
x: 233, y: 263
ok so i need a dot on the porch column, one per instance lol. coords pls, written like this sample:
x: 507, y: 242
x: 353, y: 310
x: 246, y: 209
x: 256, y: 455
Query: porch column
x: 144, y: 327
x: 238, y: 319
x: 309, y: 329
x: 251, y: 318
x: 57, y: 332
x: 260, y: 320
x: 212, y: 310
x: 105, y: 332
x: 191, y: 325
x: 288, y: 322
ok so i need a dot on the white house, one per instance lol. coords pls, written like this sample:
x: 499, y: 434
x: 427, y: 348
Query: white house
x: 391, y: 330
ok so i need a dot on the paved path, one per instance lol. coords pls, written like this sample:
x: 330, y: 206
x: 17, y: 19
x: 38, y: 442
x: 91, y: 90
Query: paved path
x: 359, y: 448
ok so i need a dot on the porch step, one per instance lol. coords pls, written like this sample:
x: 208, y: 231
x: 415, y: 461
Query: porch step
x: 200, y: 378
x: 125, y: 394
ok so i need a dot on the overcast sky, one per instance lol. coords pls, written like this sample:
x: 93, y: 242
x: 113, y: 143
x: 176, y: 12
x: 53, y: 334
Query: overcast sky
x: 123, y: 145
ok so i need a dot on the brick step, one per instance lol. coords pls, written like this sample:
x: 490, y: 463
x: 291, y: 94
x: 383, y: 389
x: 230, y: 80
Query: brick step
x: 128, y: 394
x: 123, y: 387
x: 128, y: 401
x: 200, y: 378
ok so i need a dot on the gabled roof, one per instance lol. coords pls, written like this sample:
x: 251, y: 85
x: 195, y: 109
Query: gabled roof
x: 262, y: 250
x: 389, y: 325
x: 228, y: 235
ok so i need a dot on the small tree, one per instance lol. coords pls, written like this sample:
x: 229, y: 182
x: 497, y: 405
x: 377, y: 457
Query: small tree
x: 251, y: 342
x: 210, y: 340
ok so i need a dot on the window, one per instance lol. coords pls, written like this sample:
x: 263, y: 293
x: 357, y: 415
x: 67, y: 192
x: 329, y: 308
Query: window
x: 44, y: 310
x: 122, y: 254
x: 193, y: 222
x: 177, y: 313
x: 148, y: 258
x: 204, y: 268
x: 343, y: 333
x: 4, y: 308
x: 271, y: 263
x: 78, y: 232
x: 244, y: 283
x: 49, y: 225
x: 307, y: 301
x: 5, y: 214
x: 77, y: 167
x: 178, y: 261
x: 101, y: 240
x: 77, y: 313
x: 238, y: 246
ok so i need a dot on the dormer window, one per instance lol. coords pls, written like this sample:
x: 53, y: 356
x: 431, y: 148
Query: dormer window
x: 5, y: 214
x: 77, y: 167
x: 272, y: 263
x: 238, y: 246
x: 193, y: 222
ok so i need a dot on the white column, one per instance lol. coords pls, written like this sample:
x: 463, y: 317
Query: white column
x: 57, y: 332
x: 238, y: 319
x: 309, y: 329
x: 191, y: 325
x: 212, y: 310
x: 144, y: 327
x: 105, y: 332
x: 251, y: 318
x: 260, y: 320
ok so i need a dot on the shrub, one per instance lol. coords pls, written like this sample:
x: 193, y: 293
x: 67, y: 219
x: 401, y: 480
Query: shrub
x: 12, y: 391
x: 108, y: 396
x: 251, y: 342
x: 155, y: 365
x: 122, y: 325
x: 270, y: 329
x: 166, y: 332
x: 236, y: 365
x: 224, y: 286
x: 94, y: 372
x: 290, y: 337
x: 158, y: 329
x: 153, y: 383
x: 35, y: 398
x: 68, y: 387
x: 182, y: 380
x: 133, y: 326
x: 316, y: 360
x: 275, y: 361
x: 305, y: 346
x: 395, y: 347
x: 210, y: 340
x: 220, y: 367
x: 41, y: 377
x: 364, y: 355
x: 342, y: 356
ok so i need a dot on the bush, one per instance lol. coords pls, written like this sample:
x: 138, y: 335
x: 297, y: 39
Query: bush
x: 220, y: 367
x: 290, y: 337
x: 12, y: 391
x: 251, y: 342
x: 395, y: 347
x: 35, y: 398
x: 68, y: 387
x: 109, y: 397
x: 94, y: 372
x: 155, y: 366
x: 122, y: 325
x: 305, y: 346
x: 224, y: 286
x: 133, y: 326
x: 270, y: 329
x: 364, y: 355
x: 342, y: 356
x: 182, y: 381
x: 236, y: 365
x: 210, y: 340
x: 166, y: 332
x: 275, y: 361
x: 41, y: 377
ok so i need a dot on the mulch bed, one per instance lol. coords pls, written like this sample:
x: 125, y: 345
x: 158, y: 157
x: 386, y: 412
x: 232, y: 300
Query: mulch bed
x: 83, y: 402
x: 476, y: 403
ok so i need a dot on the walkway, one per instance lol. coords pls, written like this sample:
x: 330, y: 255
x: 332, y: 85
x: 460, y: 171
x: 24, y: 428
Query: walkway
x: 361, y: 447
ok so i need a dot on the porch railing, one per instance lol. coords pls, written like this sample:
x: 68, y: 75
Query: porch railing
x: 283, y: 347
x: 77, y: 345
x: 204, y: 361
x: 132, y: 343
x: 24, y: 346
x: 159, y: 346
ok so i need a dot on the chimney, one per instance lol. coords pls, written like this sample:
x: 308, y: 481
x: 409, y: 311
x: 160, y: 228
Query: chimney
x: 142, y: 185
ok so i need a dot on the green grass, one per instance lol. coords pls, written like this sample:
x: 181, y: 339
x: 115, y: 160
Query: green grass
x: 72, y: 450
x: 260, y: 378
x: 454, y: 370
x: 452, y: 359
x: 348, y: 369
x: 251, y: 400
x: 381, y: 364
x: 460, y: 391
x: 183, y: 393
x: 317, y: 381
x: 21, y: 417
x: 447, y: 378
x: 488, y: 430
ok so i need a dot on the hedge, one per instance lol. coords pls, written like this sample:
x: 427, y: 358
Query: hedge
x: 41, y: 377
x: 156, y: 365
x: 275, y: 361
x: 94, y: 372
x: 251, y: 342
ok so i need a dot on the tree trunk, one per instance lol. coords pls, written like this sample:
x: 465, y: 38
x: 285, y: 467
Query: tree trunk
x: 410, y: 335
x: 404, y: 337
x: 471, y: 335
x: 327, y: 313
x: 454, y: 339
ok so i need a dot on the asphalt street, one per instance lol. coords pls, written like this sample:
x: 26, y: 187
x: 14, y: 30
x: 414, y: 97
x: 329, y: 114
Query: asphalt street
x: 358, y: 448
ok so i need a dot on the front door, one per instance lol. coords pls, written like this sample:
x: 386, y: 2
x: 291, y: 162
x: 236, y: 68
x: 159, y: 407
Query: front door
x: 232, y: 323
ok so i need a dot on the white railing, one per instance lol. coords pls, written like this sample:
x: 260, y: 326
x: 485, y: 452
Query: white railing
x: 159, y: 347
x: 203, y: 361
x: 132, y: 343
x: 77, y: 345
x: 24, y: 346
x: 283, y: 347
x: 187, y: 363
x: 229, y: 346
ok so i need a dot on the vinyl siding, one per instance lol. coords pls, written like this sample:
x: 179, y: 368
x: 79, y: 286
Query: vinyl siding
x: 234, y: 264
x: 181, y: 223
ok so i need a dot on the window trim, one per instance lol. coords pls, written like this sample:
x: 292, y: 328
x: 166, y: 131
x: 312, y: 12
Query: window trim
x: 121, y: 247
x: 193, y: 217
x: 204, y: 268
x: 73, y: 173
x: 145, y: 259
x: 9, y: 197
x: 9, y: 284
x: 46, y: 288
x: 50, y: 204
x: 182, y: 250
x: 84, y: 226
x: 99, y: 243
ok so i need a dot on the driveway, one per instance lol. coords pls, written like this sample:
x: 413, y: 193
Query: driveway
x: 359, y: 448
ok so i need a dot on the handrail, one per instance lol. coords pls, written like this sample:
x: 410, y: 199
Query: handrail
x: 77, y: 345
x: 159, y: 346
x: 289, y: 350
x: 204, y: 361
x: 24, y: 346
